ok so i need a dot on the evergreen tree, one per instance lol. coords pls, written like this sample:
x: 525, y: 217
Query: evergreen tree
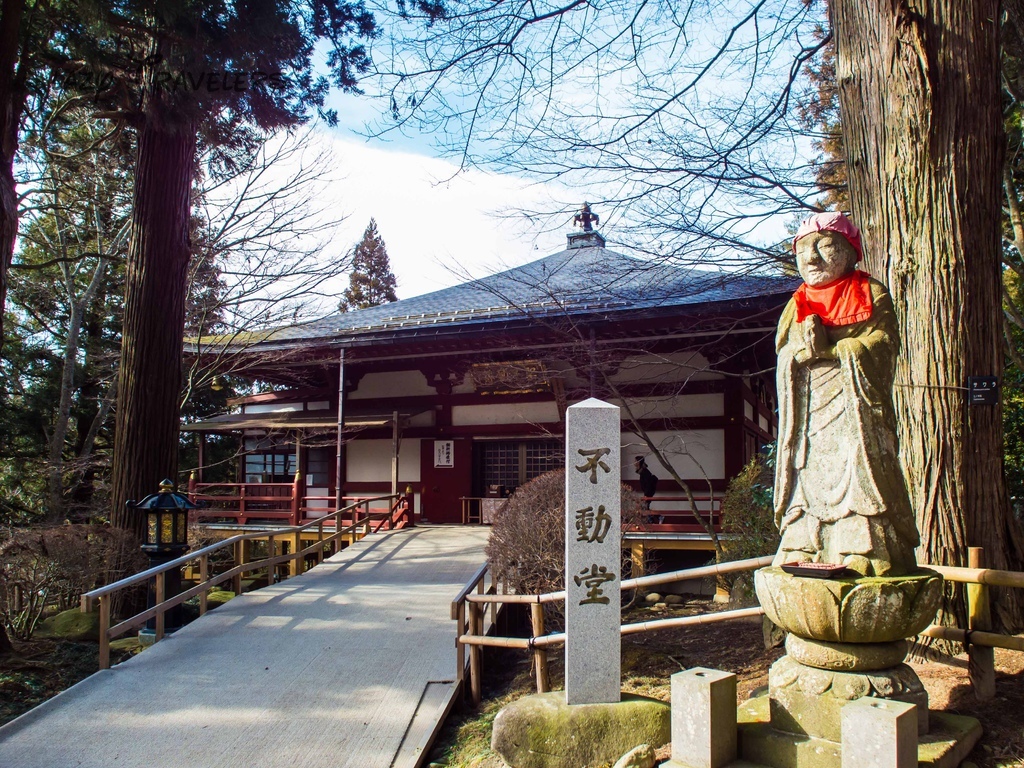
x: 371, y: 282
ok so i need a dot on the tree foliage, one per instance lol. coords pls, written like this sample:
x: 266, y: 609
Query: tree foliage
x: 371, y: 282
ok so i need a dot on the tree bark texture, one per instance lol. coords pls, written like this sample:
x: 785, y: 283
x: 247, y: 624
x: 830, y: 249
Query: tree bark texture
x: 12, y: 103
x: 921, y: 113
x: 149, y: 378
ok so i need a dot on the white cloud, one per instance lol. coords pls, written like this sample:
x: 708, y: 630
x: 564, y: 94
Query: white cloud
x: 437, y: 224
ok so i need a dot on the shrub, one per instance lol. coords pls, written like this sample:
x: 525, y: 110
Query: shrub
x: 527, y: 545
x: 44, y: 569
x: 748, y: 519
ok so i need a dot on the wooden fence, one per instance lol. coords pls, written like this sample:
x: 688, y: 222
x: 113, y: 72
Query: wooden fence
x: 469, y: 605
x: 318, y: 531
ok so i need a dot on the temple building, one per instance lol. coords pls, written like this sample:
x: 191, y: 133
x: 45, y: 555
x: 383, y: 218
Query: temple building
x: 459, y: 395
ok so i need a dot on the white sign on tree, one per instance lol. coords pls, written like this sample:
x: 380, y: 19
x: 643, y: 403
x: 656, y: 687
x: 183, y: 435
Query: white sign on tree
x: 592, y: 553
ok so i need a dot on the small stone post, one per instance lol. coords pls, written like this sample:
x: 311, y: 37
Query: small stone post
x: 703, y: 718
x: 593, y: 531
x: 879, y: 733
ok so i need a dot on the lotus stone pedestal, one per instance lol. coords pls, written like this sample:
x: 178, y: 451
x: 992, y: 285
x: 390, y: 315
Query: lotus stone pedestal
x: 846, y: 642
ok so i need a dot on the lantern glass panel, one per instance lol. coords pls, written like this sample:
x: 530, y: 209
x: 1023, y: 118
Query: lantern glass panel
x: 167, y: 528
x: 182, y: 527
x: 151, y: 528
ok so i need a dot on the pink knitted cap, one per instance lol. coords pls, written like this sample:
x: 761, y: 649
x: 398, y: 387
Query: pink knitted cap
x: 831, y: 221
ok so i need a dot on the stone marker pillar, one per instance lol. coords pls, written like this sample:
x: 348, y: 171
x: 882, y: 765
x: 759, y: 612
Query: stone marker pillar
x: 703, y: 718
x: 879, y: 733
x: 593, y: 555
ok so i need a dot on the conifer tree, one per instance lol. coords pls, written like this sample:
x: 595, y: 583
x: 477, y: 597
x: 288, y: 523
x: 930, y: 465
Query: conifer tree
x: 371, y: 282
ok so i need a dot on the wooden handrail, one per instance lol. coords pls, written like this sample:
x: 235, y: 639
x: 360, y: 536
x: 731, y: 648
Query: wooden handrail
x: 475, y: 579
x: 89, y: 597
x: 641, y: 581
x: 163, y: 603
x: 988, y: 576
x: 538, y: 642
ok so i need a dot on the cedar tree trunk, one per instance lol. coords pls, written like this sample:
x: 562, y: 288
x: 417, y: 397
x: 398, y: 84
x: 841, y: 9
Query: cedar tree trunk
x: 149, y: 378
x: 12, y: 103
x: 922, y: 126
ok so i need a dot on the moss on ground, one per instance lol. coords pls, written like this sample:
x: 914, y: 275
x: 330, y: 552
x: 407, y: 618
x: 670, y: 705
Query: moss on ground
x: 71, y: 625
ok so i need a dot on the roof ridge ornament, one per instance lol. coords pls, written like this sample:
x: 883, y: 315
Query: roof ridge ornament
x: 588, y: 238
x: 586, y: 218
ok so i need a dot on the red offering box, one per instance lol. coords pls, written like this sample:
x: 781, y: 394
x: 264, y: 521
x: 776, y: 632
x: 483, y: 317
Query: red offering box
x: 815, y: 570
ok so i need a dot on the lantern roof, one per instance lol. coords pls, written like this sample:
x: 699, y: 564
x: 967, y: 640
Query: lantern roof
x: 167, y: 498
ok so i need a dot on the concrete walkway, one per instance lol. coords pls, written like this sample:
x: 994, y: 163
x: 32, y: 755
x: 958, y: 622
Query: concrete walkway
x: 326, y: 669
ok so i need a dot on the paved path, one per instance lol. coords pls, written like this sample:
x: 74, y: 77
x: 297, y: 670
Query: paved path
x: 326, y: 669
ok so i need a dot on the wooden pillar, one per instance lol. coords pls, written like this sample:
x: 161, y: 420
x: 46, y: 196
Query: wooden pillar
x: 395, y: 445
x: 341, y: 430
x: 295, y: 566
x: 202, y: 454
x: 734, y: 416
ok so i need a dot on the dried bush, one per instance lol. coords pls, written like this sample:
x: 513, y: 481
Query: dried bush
x: 527, y: 545
x: 748, y: 517
x: 43, y: 569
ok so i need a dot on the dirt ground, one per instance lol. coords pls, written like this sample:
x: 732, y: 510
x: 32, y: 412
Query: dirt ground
x: 42, y: 668
x: 648, y: 660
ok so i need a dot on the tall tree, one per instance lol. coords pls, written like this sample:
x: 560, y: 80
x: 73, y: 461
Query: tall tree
x: 213, y: 74
x: 919, y: 89
x: 371, y: 282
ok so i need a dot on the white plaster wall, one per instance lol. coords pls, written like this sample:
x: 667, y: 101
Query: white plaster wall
x: 425, y: 419
x: 396, y: 384
x: 677, y: 366
x: 688, y: 451
x: 505, y: 413
x: 370, y: 494
x: 271, y: 407
x: 679, y: 406
x: 370, y: 461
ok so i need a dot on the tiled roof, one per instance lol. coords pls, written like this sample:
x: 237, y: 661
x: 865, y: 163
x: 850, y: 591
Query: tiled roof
x: 573, y: 282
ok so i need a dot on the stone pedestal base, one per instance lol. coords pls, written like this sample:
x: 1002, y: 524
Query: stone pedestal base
x: 807, y: 701
x: 948, y: 743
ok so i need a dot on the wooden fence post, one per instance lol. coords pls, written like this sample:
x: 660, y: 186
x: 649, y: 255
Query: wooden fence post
x: 980, y: 659
x: 296, y: 499
x: 236, y: 582
x: 460, y: 649
x: 204, y: 575
x: 540, y: 655
x: 271, y: 552
x: 297, y: 564
x: 475, y: 654
x: 161, y: 595
x: 104, y: 632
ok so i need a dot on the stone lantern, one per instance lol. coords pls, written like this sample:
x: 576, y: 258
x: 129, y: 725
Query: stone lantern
x: 165, y: 538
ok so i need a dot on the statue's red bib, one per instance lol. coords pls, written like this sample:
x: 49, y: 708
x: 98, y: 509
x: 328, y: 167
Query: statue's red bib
x: 843, y: 302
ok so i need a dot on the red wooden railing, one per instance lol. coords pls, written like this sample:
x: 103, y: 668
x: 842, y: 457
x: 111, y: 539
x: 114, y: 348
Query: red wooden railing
x: 671, y: 514
x: 245, y: 502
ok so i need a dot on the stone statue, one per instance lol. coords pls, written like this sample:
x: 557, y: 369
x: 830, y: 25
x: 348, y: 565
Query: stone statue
x: 840, y: 495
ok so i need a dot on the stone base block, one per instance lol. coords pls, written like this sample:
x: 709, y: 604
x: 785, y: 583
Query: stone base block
x: 950, y: 741
x: 807, y: 701
x: 542, y: 731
